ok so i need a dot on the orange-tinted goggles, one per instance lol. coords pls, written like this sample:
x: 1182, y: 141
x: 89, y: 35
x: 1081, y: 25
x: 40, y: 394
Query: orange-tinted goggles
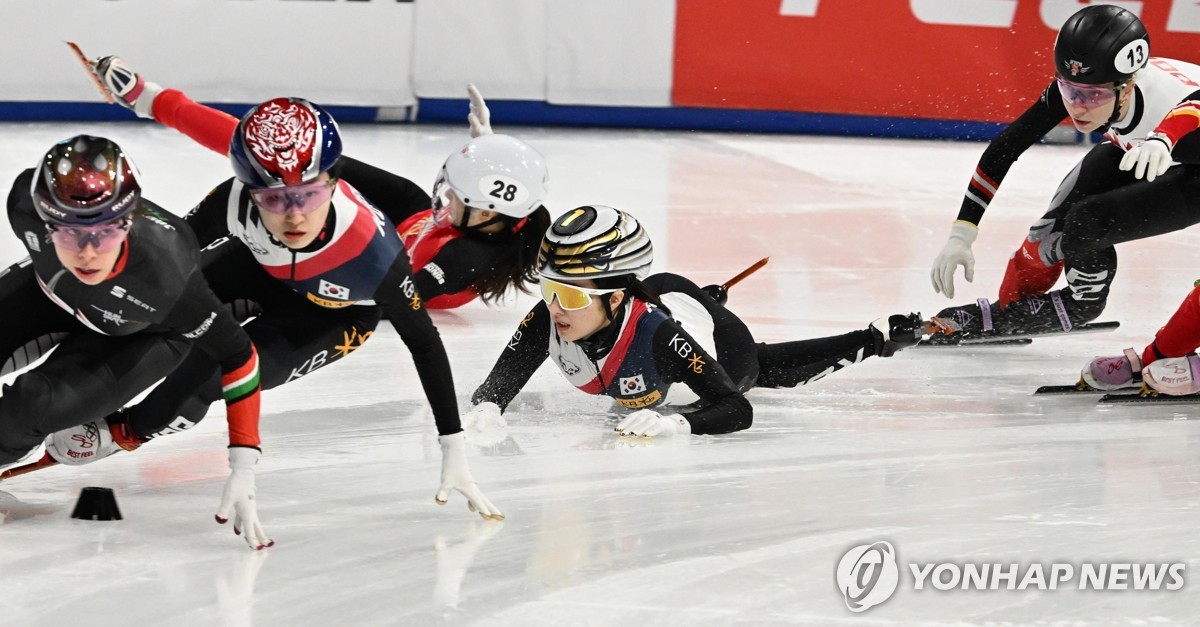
x: 570, y: 297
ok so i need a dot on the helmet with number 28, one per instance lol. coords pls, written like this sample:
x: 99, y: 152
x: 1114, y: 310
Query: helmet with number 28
x: 494, y: 173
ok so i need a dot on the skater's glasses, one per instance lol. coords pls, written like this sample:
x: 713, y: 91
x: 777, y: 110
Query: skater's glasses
x: 1086, y: 96
x: 570, y: 298
x: 305, y: 198
x: 103, y: 237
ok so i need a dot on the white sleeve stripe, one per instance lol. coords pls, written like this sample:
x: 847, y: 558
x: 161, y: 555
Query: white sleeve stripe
x: 982, y: 183
x: 979, y: 201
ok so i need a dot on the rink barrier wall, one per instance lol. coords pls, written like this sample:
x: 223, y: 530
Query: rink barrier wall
x: 979, y: 60
x: 524, y: 113
x: 950, y: 69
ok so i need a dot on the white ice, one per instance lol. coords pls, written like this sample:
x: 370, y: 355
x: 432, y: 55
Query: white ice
x: 943, y: 453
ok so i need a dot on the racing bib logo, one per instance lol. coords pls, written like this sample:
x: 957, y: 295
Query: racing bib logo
x: 641, y: 401
x: 203, y: 328
x: 328, y: 304
x: 352, y: 340
x: 681, y: 346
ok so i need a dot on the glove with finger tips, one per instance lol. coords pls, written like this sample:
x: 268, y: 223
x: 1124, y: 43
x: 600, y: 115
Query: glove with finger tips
x: 1149, y: 159
x: 956, y: 252
x: 480, y: 116
x: 484, y: 425
x: 238, y: 498
x: 456, y: 476
x: 649, y: 423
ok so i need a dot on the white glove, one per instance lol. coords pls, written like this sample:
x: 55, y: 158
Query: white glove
x: 479, y: 117
x: 649, y: 423
x: 127, y: 87
x: 456, y: 476
x: 484, y: 425
x: 957, y: 252
x: 239, y: 497
x: 1152, y: 158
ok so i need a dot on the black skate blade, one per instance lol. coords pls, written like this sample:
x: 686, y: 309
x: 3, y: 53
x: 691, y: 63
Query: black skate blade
x: 1021, y: 339
x: 1047, y: 390
x: 1065, y: 389
x: 1002, y: 340
x: 1160, y: 399
x: 975, y: 342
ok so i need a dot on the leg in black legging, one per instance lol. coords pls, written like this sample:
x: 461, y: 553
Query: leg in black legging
x: 789, y: 364
x: 291, y: 343
x: 87, y: 377
x: 32, y: 323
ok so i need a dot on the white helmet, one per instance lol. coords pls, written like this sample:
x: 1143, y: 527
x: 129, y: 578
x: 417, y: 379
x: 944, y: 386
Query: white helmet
x: 497, y: 173
x: 594, y: 242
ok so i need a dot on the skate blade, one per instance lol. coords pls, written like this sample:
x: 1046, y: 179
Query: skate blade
x: 1081, y: 387
x: 1017, y: 339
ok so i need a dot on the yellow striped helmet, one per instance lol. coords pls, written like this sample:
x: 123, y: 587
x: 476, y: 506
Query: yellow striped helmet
x: 593, y: 242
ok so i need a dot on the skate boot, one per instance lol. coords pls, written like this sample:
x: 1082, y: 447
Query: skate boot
x: 895, y: 333
x: 1174, y: 376
x: 953, y: 324
x: 1033, y: 315
x: 1113, y: 373
x: 92, y: 441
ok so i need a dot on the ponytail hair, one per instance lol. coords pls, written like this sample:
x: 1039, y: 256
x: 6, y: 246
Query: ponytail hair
x: 634, y: 288
x: 517, y: 267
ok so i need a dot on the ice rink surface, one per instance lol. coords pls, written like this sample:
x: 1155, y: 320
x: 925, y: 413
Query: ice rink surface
x: 941, y: 452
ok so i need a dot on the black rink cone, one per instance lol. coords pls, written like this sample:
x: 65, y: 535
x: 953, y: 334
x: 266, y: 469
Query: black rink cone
x: 96, y: 504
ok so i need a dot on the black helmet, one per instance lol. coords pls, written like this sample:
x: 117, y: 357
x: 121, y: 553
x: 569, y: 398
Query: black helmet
x: 83, y: 181
x: 1101, y: 44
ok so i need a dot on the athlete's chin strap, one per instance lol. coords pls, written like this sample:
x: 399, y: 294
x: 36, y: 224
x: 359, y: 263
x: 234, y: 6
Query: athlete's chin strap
x: 1116, y: 114
x: 608, y: 310
x: 499, y: 218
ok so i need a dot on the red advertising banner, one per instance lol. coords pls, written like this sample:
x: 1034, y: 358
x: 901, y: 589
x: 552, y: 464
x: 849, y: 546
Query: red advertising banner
x: 977, y: 60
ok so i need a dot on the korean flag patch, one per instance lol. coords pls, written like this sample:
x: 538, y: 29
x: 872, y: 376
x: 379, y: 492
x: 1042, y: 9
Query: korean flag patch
x: 332, y: 290
x: 633, y: 385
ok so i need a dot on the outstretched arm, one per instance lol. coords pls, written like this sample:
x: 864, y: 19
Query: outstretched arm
x: 411, y: 320
x: 522, y: 356
x: 207, y: 126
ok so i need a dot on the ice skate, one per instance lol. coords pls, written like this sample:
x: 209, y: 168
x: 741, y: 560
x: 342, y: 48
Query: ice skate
x: 92, y: 441
x: 1113, y: 373
x: 1034, y: 316
x: 896, y: 332
x: 955, y: 324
